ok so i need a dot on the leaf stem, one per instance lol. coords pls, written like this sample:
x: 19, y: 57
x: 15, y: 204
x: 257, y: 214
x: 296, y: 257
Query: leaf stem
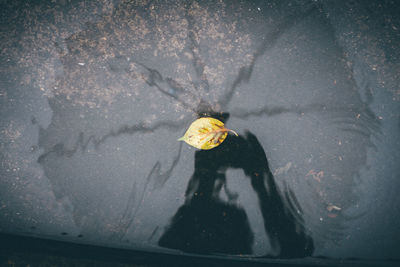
x: 229, y: 130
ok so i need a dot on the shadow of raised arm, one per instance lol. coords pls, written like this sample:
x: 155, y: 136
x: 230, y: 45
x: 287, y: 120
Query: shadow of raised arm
x: 283, y: 225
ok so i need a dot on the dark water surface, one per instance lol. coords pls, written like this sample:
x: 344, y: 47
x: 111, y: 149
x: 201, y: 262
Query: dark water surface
x: 95, y: 94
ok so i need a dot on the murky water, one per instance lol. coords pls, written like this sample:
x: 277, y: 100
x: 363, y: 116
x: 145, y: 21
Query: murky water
x: 94, y: 97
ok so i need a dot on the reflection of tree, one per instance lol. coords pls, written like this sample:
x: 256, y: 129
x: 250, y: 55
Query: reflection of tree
x: 190, y: 98
x: 207, y: 224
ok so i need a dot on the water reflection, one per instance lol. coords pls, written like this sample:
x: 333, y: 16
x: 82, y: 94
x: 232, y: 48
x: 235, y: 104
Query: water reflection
x: 110, y: 147
x: 207, y: 224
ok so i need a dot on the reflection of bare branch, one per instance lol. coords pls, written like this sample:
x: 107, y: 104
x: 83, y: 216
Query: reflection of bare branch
x: 128, y: 215
x: 83, y: 142
x: 244, y: 114
x: 174, y: 90
x: 356, y: 120
x: 159, y: 180
x: 194, y: 48
x: 270, y: 40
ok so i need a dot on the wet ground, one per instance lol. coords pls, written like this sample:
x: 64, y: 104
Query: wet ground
x: 94, y: 96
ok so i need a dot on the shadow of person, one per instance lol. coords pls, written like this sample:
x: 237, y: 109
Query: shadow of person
x: 207, y: 224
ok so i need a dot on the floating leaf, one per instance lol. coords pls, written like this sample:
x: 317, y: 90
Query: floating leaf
x: 206, y: 133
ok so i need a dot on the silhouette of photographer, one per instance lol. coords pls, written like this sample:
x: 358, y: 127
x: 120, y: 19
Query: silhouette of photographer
x: 207, y: 224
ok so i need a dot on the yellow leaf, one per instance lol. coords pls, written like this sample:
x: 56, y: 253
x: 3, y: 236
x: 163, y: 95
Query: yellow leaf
x: 206, y: 133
